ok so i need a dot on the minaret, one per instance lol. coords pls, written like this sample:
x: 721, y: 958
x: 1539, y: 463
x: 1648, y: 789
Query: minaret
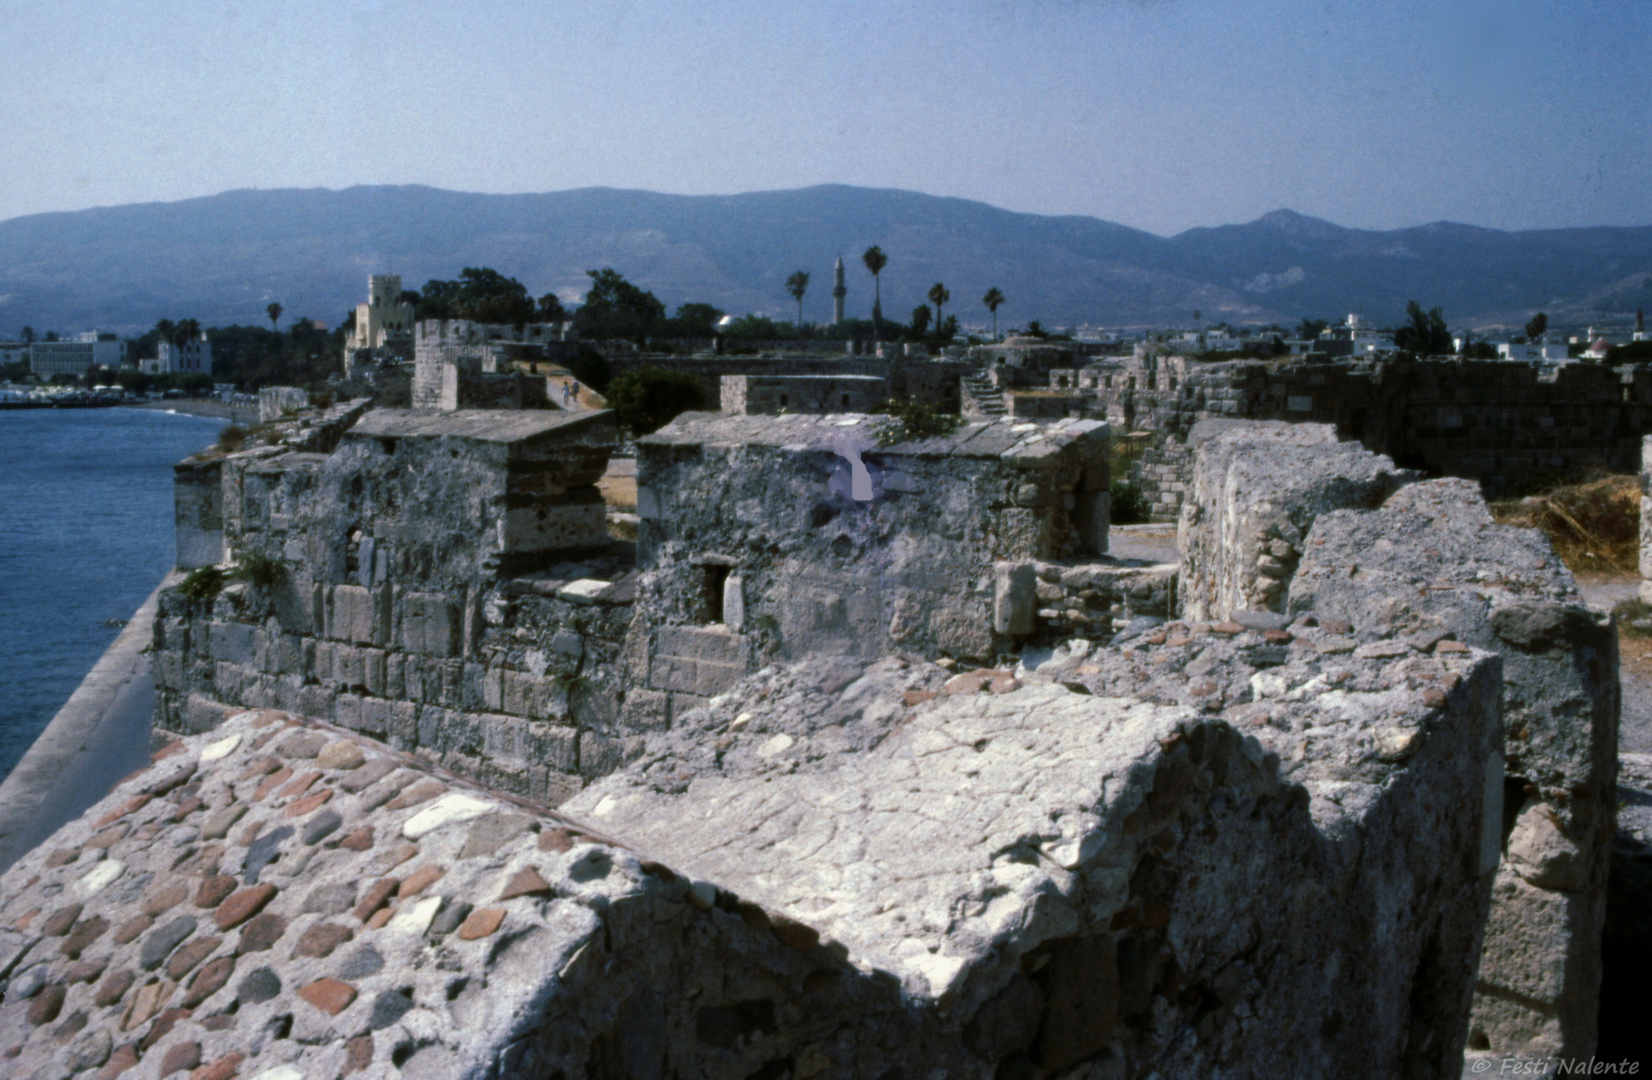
x: 839, y: 291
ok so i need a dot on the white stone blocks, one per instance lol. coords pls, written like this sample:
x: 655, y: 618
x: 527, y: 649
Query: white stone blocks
x: 696, y: 660
x: 430, y: 623
x: 358, y: 614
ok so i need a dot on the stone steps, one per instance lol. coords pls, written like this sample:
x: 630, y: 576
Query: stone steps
x: 981, y: 396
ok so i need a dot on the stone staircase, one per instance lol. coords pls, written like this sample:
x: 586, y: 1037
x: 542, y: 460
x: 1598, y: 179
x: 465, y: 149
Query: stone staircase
x: 979, y: 397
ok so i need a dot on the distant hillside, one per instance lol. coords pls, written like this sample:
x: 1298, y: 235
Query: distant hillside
x: 223, y: 259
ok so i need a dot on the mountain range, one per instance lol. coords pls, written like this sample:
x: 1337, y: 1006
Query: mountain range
x: 223, y: 259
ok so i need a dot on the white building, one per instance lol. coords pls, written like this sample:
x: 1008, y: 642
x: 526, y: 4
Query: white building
x: 383, y: 316
x: 193, y: 355
x: 94, y: 348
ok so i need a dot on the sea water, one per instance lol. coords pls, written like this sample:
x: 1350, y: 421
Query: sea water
x: 85, y: 536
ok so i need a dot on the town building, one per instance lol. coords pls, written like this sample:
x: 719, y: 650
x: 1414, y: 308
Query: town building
x: 94, y: 348
x: 384, y: 316
x: 192, y: 355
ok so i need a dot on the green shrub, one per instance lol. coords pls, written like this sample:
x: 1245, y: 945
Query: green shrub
x: 648, y: 399
x: 203, y: 584
x: 231, y: 438
x: 1634, y: 618
x: 592, y: 369
x: 259, y: 569
x: 1129, y: 505
x: 915, y: 420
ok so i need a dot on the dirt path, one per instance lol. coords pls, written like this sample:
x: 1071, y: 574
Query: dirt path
x: 1634, y: 660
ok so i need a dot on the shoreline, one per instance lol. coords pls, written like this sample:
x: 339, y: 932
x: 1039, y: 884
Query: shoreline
x: 234, y: 414
x: 99, y: 736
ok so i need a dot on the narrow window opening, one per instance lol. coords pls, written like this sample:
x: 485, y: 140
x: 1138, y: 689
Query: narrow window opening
x: 716, y: 576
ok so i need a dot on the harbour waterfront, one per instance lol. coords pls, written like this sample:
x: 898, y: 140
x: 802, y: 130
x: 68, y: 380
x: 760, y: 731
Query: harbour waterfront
x: 85, y: 535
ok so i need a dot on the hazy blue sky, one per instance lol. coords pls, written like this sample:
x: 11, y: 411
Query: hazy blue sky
x: 1162, y: 114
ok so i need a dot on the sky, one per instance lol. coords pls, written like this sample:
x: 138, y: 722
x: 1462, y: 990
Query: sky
x: 1159, y: 114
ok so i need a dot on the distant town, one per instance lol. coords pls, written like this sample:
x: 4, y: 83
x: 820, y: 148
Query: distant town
x: 181, y: 359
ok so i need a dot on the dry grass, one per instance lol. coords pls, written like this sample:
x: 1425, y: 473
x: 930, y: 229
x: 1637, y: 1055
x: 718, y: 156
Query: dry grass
x: 1594, y: 526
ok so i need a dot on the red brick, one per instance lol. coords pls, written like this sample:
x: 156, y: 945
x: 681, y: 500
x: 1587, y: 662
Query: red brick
x: 260, y: 767
x: 358, y: 1054
x: 375, y: 897
x: 321, y: 939
x: 1277, y: 637
x: 360, y: 840
x: 558, y: 840
x: 261, y: 932
x: 481, y: 922
x: 25, y: 919
x: 208, y: 981
x: 525, y: 882
x: 166, y: 898
x: 299, y: 786
x: 124, y: 1058
x: 329, y: 995
x: 128, y: 931
x: 419, y: 880
x: 243, y: 905
x: 166, y: 751
x: 46, y: 1005
x: 183, y: 961
x: 112, y: 989
x: 109, y: 837
x: 180, y: 1056
x: 313, y: 801
x: 86, y: 970
x: 86, y: 931
x: 271, y: 782
x: 59, y: 922
x: 162, y: 1027
x: 222, y: 1069
x: 214, y: 890
x: 423, y: 791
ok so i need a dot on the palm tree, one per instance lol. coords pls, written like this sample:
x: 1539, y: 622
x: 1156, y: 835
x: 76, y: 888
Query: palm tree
x: 992, y: 300
x: 166, y: 330
x: 274, y: 312
x: 875, y: 260
x: 187, y: 330
x: 797, y: 285
x: 938, y: 296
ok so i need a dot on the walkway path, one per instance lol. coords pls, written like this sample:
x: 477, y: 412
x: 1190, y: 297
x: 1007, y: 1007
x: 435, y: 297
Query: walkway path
x: 100, y: 735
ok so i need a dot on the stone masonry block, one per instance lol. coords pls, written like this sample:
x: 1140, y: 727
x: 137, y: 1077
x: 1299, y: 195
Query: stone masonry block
x: 697, y: 660
x: 430, y: 624
x: 231, y: 642
x: 1015, y: 598
x: 357, y: 614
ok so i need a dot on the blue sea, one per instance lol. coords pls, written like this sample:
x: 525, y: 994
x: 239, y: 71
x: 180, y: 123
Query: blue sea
x: 85, y: 536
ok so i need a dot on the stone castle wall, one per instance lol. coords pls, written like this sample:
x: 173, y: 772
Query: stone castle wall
x: 934, y: 382
x: 775, y: 394
x: 1496, y: 422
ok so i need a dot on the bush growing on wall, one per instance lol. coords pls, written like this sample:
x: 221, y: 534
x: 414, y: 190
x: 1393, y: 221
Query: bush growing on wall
x: 648, y: 399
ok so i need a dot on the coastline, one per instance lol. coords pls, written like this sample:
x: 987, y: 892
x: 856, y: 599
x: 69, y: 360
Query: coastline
x: 99, y: 736
x: 233, y: 414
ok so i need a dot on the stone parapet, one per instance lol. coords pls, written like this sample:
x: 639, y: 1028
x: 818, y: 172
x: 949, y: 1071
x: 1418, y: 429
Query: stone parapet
x: 1431, y: 565
x: 1256, y: 490
x: 845, y: 537
x: 1171, y: 869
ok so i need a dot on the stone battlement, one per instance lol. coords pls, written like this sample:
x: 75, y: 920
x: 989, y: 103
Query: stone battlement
x: 866, y: 758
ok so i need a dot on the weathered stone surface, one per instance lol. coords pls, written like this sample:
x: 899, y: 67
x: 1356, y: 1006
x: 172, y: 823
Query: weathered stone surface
x: 1431, y: 560
x: 1256, y: 489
